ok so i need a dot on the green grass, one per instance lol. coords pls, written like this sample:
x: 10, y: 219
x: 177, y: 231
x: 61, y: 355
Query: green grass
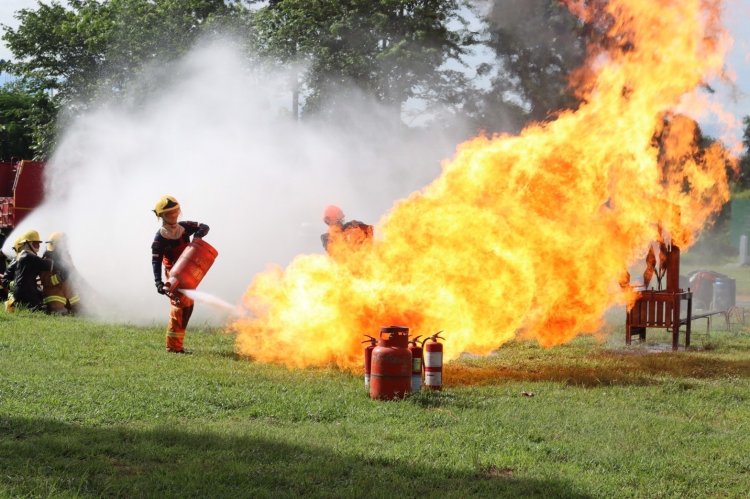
x: 90, y: 410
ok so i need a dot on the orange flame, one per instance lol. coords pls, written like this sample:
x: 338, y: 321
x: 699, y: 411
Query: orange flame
x: 523, y: 235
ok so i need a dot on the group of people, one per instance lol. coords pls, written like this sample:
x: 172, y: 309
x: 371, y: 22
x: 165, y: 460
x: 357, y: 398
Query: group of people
x: 39, y: 282
x: 174, y: 236
x: 43, y: 281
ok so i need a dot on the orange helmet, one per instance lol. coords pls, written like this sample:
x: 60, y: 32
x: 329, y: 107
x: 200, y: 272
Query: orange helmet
x: 333, y: 214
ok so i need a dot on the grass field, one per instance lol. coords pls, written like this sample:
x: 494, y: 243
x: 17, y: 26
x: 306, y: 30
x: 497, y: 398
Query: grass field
x: 89, y: 410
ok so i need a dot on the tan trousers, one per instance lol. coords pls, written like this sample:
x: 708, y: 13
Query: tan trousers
x: 59, y: 297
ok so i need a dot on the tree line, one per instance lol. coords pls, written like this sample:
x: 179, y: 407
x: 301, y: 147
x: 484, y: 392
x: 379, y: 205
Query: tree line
x: 68, y: 54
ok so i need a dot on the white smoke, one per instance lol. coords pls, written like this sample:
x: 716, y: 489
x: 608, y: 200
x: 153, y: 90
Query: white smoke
x: 219, y: 139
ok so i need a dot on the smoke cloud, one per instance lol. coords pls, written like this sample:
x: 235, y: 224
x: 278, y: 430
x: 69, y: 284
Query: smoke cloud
x: 218, y: 136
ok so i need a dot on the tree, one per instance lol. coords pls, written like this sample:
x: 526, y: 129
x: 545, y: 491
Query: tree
x: 537, y: 45
x: 91, y: 47
x: 745, y: 158
x: 390, y: 49
x: 15, y: 132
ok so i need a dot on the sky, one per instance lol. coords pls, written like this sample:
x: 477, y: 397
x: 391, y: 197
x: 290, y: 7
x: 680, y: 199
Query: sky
x: 7, y: 8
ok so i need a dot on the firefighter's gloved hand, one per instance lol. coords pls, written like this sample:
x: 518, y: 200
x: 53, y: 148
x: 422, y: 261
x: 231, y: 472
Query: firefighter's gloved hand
x: 160, y: 288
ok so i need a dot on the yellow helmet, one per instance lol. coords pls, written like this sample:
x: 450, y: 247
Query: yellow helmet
x: 30, y: 236
x: 17, y: 244
x: 54, y: 239
x: 165, y: 204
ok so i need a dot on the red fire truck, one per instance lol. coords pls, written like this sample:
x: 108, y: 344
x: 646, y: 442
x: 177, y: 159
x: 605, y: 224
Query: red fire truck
x: 21, y: 190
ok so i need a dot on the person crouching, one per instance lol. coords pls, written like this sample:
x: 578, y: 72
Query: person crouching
x: 25, y: 271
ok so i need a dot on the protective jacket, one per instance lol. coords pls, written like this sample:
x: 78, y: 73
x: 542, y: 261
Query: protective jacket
x: 166, y: 251
x: 353, y: 234
x: 24, y: 272
x: 59, y: 295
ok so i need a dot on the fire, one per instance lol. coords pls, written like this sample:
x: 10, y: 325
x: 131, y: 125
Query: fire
x: 524, y: 235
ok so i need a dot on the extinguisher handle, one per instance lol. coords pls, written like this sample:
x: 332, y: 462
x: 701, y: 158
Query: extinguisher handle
x: 413, y: 341
x: 434, y: 337
x: 371, y: 340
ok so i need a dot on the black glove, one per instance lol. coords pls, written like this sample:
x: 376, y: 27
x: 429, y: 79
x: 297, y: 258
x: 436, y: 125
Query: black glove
x: 160, y: 288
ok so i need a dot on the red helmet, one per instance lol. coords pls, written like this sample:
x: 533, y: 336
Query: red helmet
x: 333, y: 214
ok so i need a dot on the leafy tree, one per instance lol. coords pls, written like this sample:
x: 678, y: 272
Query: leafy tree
x: 745, y: 158
x: 78, y: 51
x: 538, y: 45
x: 15, y: 132
x: 390, y: 49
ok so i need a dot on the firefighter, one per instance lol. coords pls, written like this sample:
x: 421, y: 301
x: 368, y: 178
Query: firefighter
x: 59, y: 296
x: 352, y: 234
x: 23, y: 273
x: 170, y: 241
x: 3, y: 268
x: 8, y: 278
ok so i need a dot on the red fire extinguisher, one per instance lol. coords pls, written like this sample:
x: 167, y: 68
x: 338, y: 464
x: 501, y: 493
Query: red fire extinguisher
x: 391, y: 364
x: 189, y: 269
x: 433, y: 362
x: 416, y: 364
x: 368, y: 358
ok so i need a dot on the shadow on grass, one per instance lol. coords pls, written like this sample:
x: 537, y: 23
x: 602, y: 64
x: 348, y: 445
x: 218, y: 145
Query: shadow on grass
x: 603, y: 369
x: 48, y: 458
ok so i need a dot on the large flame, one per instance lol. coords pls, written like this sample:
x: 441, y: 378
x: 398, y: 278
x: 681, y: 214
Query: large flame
x: 524, y: 235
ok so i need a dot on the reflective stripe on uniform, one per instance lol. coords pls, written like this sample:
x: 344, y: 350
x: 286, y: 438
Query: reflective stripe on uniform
x: 54, y: 279
x: 175, y: 334
x: 55, y: 298
x: 73, y: 300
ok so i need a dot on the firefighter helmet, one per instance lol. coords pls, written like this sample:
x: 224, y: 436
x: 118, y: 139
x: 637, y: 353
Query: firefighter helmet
x: 166, y: 204
x: 17, y: 244
x: 54, y: 239
x: 30, y: 236
x: 333, y: 214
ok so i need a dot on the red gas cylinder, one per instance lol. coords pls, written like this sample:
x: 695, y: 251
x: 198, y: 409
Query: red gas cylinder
x: 433, y: 362
x: 390, y: 376
x: 368, y: 359
x: 416, y: 364
x: 192, y: 265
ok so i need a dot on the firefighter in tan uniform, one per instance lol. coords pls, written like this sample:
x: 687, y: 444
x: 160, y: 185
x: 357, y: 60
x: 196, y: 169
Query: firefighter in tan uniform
x: 59, y: 295
x: 169, y: 242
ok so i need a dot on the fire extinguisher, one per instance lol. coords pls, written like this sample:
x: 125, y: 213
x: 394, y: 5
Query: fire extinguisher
x: 368, y: 358
x: 433, y: 362
x: 416, y: 364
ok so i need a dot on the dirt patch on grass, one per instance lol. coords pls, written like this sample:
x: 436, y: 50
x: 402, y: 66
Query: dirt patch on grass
x: 601, y: 369
x: 493, y: 471
x: 458, y: 375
